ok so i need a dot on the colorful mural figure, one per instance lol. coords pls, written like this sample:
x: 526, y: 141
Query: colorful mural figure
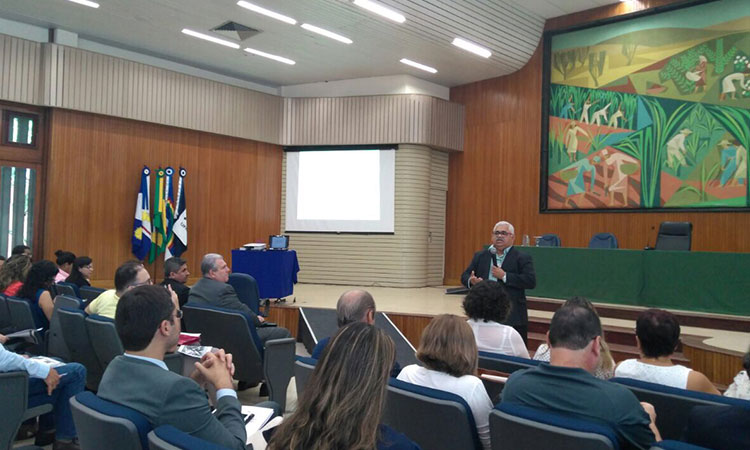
x: 655, y: 109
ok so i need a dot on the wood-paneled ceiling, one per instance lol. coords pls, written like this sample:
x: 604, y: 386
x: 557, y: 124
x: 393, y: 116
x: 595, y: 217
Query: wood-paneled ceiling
x: 511, y: 29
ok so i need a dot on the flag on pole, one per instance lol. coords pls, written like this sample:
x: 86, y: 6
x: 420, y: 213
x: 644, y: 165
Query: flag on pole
x: 168, y: 212
x: 157, y: 241
x: 141, y: 238
x: 179, y: 229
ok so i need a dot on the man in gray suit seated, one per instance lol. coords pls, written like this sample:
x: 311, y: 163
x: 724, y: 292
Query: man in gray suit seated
x: 148, y: 323
x: 214, y: 290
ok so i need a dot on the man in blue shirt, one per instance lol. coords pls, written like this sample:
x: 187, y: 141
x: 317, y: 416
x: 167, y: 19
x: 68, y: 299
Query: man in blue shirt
x: 53, y: 386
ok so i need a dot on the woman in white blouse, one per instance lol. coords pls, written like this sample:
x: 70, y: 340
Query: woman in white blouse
x: 740, y: 388
x: 487, y: 304
x: 449, y: 353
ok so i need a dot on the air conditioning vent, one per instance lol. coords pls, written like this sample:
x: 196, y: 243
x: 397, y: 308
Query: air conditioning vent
x: 236, y: 31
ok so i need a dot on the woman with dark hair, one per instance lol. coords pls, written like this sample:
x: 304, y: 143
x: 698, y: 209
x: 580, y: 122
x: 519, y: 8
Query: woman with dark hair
x: 36, y: 291
x: 487, y: 305
x: 64, y: 265
x: 449, y: 353
x: 740, y: 388
x: 606, y: 367
x: 13, y: 273
x: 657, y: 334
x: 82, y: 270
x: 343, y: 401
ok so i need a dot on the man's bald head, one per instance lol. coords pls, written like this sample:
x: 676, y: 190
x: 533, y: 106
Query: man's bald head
x: 355, y: 306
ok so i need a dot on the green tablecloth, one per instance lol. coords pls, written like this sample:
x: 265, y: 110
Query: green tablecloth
x: 693, y: 281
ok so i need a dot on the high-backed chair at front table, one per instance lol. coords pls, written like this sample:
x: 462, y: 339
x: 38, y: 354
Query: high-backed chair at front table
x: 674, y: 236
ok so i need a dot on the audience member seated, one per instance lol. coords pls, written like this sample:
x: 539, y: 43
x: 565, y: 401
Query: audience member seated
x: 13, y: 274
x: 657, y: 336
x: 740, y: 387
x: 449, y: 352
x: 566, y: 385
x: 605, y: 369
x: 147, y: 321
x: 344, y: 398
x: 487, y: 305
x: 64, y: 265
x: 53, y: 386
x: 36, y: 291
x: 129, y: 275
x: 175, y: 276
x: 21, y: 250
x: 82, y: 269
x: 214, y: 290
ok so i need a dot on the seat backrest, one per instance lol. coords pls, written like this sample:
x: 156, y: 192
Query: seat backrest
x: 247, y: 290
x: 673, y: 405
x: 89, y: 293
x: 6, y: 324
x: 669, y: 444
x: 99, y: 421
x: 603, y: 240
x: 232, y: 331
x: 14, y: 392
x: 430, y: 417
x: 303, y: 368
x: 674, y: 236
x: 549, y: 240
x: 55, y: 341
x: 167, y: 437
x: 104, y: 339
x: 64, y: 288
x: 517, y: 426
x: 20, y: 314
x: 278, y: 368
x: 77, y: 339
x: 504, y: 363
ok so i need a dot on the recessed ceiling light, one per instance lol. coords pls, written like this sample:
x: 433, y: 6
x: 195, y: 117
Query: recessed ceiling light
x: 409, y: 62
x: 86, y: 3
x: 472, y: 47
x: 266, y: 12
x: 326, y: 33
x: 377, y: 8
x: 270, y: 56
x: 206, y: 37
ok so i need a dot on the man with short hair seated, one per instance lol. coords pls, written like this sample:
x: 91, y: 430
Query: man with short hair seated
x: 148, y: 324
x: 53, y: 386
x: 567, y: 385
x: 176, y: 274
x: 214, y: 290
x: 356, y: 305
x: 129, y: 275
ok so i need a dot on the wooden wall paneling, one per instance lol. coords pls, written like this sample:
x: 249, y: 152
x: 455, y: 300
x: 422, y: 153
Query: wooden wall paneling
x: 94, y: 172
x: 497, y: 175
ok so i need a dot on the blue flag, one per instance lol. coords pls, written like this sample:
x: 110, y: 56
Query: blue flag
x: 141, y: 238
x: 179, y: 229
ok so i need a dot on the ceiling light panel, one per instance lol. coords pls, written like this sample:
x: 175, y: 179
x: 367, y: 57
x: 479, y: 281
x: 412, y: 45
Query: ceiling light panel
x: 472, y: 47
x: 379, y: 9
x: 266, y: 12
x: 326, y: 33
x: 210, y: 38
x: 86, y: 3
x: 271, y: 56
x: 420, y: 66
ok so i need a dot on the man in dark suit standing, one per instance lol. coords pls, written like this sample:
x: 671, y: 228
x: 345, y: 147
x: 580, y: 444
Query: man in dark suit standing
x: 214, y: 290
x: 148, y: 323
x: 504, y: 263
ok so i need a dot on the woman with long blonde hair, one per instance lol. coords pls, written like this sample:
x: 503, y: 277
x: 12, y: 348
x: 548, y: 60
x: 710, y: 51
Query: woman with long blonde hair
x: 13, y: 274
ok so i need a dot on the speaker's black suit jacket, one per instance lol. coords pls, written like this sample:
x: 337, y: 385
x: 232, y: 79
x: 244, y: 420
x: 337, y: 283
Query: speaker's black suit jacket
x: 519, y: 270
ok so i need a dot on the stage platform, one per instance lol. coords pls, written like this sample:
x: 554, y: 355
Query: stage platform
x: 714, y: 346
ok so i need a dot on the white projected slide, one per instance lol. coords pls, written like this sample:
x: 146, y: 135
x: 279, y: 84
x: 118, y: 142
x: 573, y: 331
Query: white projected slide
x: 340, y: 190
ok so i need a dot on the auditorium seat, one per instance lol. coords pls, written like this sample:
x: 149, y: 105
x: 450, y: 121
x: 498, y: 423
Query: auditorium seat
x: 6, y: 324
x: 14, y: 395
x: 504, y: 363
x: 77, y: 339
x: 674, y: 236
x: 22, y: 319
x: 89, y: 293
x: 99, y: 421
x: 432, y: 418
x: 675, y: 445
x: 549, y: 240
x: 247, y: 290
x: 63, y: 288
x: 56, y: 346
x: 603, y: 240
x: 104, y: 338
x: 673, y: 405
x: 514, y: 426
x: 235, y: 333
x: 167, y: 437
x: 303, y: 368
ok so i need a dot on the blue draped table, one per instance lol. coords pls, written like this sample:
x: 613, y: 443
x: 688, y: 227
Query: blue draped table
x: 274, y: 270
